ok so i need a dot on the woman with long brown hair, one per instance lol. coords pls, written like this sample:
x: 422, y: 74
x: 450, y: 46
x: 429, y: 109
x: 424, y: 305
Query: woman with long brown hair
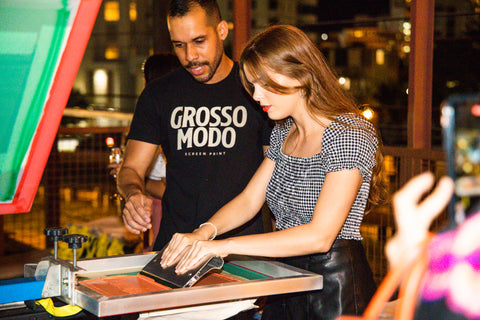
x: 319, y: 173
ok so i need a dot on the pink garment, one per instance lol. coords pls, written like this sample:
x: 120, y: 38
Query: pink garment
x: 156, y: 218
x: 454, y: 269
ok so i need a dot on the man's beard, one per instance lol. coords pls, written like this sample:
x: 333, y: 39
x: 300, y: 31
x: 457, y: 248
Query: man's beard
x: 212, y: 69
x: 203, y: 77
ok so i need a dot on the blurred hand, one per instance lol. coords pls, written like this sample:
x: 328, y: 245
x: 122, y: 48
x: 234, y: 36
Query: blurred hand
x: 414, y: 216
x: 137, y: 212
x: 113, y: 169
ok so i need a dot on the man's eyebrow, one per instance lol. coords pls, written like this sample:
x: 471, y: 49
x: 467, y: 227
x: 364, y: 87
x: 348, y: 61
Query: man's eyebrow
x: 202, y: 37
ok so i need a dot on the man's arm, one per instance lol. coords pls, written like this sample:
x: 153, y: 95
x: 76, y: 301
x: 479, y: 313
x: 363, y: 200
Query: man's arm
x: 155, y: 188
x: 131, y: 185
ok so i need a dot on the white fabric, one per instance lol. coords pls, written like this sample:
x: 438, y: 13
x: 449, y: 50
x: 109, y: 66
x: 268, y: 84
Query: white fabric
x: 216, y: 311
x: 159, y: 170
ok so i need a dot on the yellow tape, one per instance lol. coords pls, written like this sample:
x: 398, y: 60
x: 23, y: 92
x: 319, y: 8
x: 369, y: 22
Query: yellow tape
x: 63, y: 311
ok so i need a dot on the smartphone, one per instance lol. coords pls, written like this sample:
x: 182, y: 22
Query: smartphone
x: 460, y: 121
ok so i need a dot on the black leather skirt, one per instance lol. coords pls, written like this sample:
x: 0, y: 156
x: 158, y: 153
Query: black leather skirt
x: 348, y: 285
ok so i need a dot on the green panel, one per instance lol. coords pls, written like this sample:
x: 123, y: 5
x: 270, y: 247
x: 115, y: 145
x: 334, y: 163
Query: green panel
x: 33, y: 34
x: 243, y: 272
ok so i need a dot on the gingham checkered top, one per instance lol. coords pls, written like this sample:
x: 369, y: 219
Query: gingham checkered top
x: 296, y: 182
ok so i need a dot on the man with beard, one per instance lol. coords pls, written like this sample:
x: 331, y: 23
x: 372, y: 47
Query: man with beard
x: 210, y: 130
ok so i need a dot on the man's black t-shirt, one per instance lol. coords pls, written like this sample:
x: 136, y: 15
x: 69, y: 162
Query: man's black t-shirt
x: 212, y: 136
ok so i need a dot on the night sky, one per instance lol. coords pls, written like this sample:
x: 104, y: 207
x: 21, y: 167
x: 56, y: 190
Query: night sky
x: 339, y: 14
x: 346, y: 9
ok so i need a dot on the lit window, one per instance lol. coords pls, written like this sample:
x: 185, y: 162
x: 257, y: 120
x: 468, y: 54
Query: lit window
x: 358, y: 34
x: 133, y: 11
x: 67, y: 145
x: 452, y: 84
x: 368, y: 113
x: 112, y: 52
x: 100, y: 81
x: 380, y: 57
x: 111, y: 11
x: 344, y: 82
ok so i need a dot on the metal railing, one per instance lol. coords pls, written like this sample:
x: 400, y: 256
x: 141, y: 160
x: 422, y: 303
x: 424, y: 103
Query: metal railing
x: 400, y: 164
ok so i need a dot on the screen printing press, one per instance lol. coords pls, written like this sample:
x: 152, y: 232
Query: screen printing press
x: 111, y: 286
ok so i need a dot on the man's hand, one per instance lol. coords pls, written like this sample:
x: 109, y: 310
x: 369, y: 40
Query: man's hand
x: 130, y: 183
x: 137, y: 212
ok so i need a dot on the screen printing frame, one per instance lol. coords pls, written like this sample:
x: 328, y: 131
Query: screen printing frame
x: 36, y: 158
x: 281, y: 279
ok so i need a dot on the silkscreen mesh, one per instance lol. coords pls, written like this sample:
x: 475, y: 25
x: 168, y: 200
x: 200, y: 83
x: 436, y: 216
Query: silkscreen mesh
x: 33, y: 34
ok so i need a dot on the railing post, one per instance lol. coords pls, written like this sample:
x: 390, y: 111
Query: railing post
x: 420, y: 74
x: 241, y: 26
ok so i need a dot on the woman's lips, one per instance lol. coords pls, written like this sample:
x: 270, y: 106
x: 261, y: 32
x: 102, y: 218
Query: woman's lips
x: 266, y: 108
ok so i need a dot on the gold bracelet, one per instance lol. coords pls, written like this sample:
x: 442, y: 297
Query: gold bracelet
x: 209, y: 223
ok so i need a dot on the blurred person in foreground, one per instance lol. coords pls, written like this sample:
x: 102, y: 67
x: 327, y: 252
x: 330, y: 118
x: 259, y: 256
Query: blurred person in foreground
x: 211, y: 131
x: 321, y: 170
x: 450, y: 287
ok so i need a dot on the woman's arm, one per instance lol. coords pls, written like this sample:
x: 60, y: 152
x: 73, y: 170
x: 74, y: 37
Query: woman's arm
x: 234, y: 214
x: 248, y: 202
x: 333, y: 205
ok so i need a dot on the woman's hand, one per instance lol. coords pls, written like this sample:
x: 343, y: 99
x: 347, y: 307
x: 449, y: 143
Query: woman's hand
x: 177, y: 246
x: 198, y: 254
